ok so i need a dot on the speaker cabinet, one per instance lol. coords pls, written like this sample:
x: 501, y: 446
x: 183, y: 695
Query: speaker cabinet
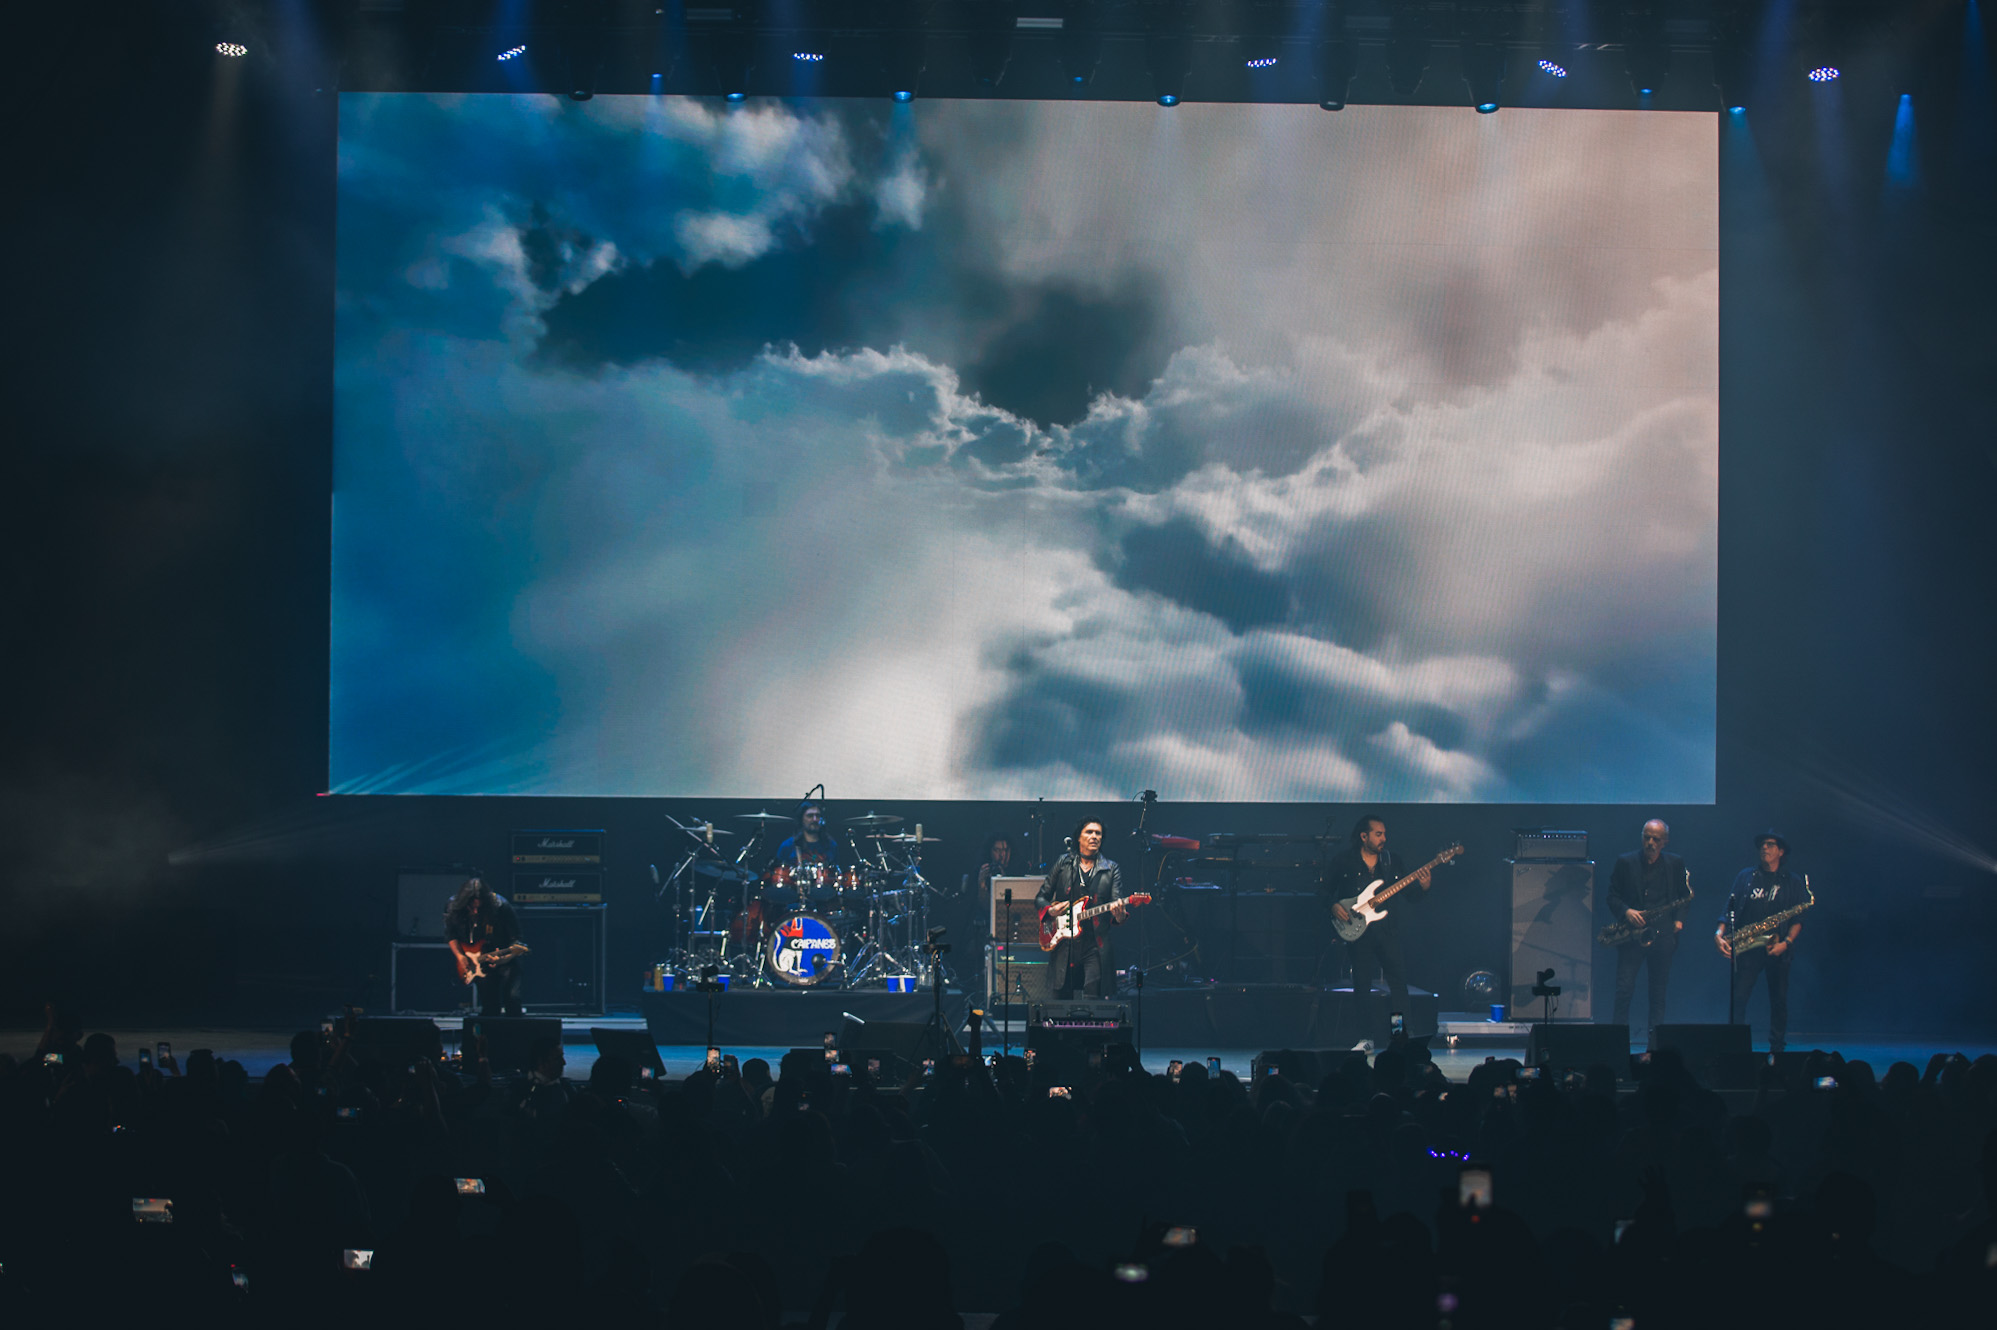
x: 1553, y: 928
x: 1579, y: 1047
x: 1718, y: 1056
x: 510, y: 1040
x: 399, y: 1041
x: 420, y: 897
x: 423, y: 980
x: 563, y: 971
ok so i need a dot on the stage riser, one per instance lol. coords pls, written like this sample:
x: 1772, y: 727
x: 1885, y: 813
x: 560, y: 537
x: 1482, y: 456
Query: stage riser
x: 780, y: 1018
x: 1273, y: 1016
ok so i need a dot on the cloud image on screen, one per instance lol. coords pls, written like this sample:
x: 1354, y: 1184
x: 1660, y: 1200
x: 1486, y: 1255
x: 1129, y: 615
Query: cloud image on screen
x: 1012, y: 449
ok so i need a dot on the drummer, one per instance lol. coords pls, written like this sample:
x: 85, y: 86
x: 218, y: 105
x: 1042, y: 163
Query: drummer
x: 813, y: 843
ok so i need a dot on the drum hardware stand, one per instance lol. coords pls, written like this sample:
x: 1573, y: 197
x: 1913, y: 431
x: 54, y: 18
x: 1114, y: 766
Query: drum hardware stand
x: 937, y: 1038
x: 714, y: 988
x: 1036, y: 830
x: 1136, y: 974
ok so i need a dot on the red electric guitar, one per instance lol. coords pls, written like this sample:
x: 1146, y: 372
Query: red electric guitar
x: 1062, y: 921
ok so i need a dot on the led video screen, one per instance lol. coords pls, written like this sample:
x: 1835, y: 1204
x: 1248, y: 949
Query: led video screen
x: 1007, y: 449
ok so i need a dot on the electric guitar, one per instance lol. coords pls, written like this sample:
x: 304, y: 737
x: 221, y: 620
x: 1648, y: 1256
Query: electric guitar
x: 478, y: 963
x: 1365, y: 907
x: 1062, y: 921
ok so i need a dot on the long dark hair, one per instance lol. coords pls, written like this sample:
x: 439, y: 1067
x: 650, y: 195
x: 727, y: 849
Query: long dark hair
x: 1076, y: 834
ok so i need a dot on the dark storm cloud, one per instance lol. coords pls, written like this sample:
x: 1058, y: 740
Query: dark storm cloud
x: 1177, y: 560
x: 809, y: 293
x: 1062, y: 344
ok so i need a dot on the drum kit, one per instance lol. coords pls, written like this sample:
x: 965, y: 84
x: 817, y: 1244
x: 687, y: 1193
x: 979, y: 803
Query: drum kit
x: 839, y: 917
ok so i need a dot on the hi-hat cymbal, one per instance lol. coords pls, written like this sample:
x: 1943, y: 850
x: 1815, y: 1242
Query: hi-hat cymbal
x: 905, y: 838
x: 761, y: 817
x: 873, y: 819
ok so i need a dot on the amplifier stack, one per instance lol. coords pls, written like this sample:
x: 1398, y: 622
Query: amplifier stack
x: 556, y: 889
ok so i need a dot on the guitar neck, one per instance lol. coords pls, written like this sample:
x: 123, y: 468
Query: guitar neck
x: 1388, y: 891
x: 1095, y: 910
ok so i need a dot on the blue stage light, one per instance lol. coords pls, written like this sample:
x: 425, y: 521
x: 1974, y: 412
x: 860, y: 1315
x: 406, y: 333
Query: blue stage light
x: 658, y: 82
x: 1169, y: 99
x: 1558, y: 71
x: 904, y: 95
x: 1736, y: 110
x: 808, y: 57
x: 1824, y: 74
x: 1263, y: 62
x: 513, y: 53
x: 1486, y: 108
x: 737, y: 96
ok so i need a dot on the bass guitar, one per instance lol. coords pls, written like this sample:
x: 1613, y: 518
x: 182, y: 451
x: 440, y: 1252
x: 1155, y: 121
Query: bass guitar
x: 1365, y: 907
x: 1622, y: 931
x: 1061, y: 921
x: 477, y: 962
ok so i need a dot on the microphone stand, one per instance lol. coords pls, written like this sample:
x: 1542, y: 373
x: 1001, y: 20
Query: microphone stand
x: 1005, y: 993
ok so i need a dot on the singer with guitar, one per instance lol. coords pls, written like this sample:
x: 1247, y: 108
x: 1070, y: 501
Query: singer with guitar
x: 1083, y: 961
x: 1648, y: 890
x: 1351, y: 871
x: 484, y: 937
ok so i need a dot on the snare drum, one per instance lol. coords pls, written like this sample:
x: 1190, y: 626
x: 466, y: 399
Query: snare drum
x: 804, y: 949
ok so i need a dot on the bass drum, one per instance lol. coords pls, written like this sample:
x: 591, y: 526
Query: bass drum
x: 804, y: 949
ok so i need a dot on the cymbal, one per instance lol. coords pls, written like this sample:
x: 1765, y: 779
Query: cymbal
x: 873, y: 819
x: 699, y: 828
x: 905, y: 838
x: 761, y: 817
x: 726, y: 872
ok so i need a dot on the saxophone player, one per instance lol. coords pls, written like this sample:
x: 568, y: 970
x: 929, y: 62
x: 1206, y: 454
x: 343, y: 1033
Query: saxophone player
x: 1760, y: 893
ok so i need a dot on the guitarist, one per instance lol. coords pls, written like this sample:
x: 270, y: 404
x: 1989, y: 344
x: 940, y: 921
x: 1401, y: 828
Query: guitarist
x: 1642, y: 881
x: 479, y: 918
x: 1083, y: 871
x: 1350, y: 872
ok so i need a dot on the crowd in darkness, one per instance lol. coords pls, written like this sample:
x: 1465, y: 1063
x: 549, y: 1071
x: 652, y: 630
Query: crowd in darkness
x: 749, y: 1198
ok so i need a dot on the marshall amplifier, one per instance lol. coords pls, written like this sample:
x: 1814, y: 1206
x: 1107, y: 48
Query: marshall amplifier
x: 558, y: 847
x: 1545, y: 843
x: 555, y: 886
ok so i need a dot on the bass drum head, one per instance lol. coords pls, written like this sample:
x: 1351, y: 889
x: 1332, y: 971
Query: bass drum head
x: 804, y: 950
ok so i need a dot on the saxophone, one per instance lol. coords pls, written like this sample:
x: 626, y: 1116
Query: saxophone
x: 1614, y: 935
x: 1749, y: 937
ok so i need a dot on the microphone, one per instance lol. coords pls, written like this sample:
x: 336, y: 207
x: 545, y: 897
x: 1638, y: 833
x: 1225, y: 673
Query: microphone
x: 1068, y: 841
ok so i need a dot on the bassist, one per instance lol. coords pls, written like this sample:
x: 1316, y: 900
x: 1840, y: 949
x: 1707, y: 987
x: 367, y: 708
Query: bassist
x: 1084, y: 961
x: 480, y: 921
x: 1642, y: 883
x: 1369, y: 860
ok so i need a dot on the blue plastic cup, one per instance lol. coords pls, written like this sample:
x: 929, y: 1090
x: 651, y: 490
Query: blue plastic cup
x: 1497, y: 1011
x: 722, y: 979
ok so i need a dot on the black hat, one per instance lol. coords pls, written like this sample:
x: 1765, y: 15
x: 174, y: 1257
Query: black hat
x: 1781, y: 841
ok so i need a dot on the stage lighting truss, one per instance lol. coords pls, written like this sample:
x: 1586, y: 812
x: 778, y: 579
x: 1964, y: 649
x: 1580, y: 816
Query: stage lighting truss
x: 1824, y: 74
x: 512, y: 53
x: 808, y: 57
x: 1262, y: 62
x: 234, y: 50
x: 1556, y: 69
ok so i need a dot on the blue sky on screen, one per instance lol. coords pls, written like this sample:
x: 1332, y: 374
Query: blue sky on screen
x: 1010, y: 449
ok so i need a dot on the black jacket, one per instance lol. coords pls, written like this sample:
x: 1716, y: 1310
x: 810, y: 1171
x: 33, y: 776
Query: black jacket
x: 1626, y: 884
x: 1347, y: 875
x: 1066, y: 880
